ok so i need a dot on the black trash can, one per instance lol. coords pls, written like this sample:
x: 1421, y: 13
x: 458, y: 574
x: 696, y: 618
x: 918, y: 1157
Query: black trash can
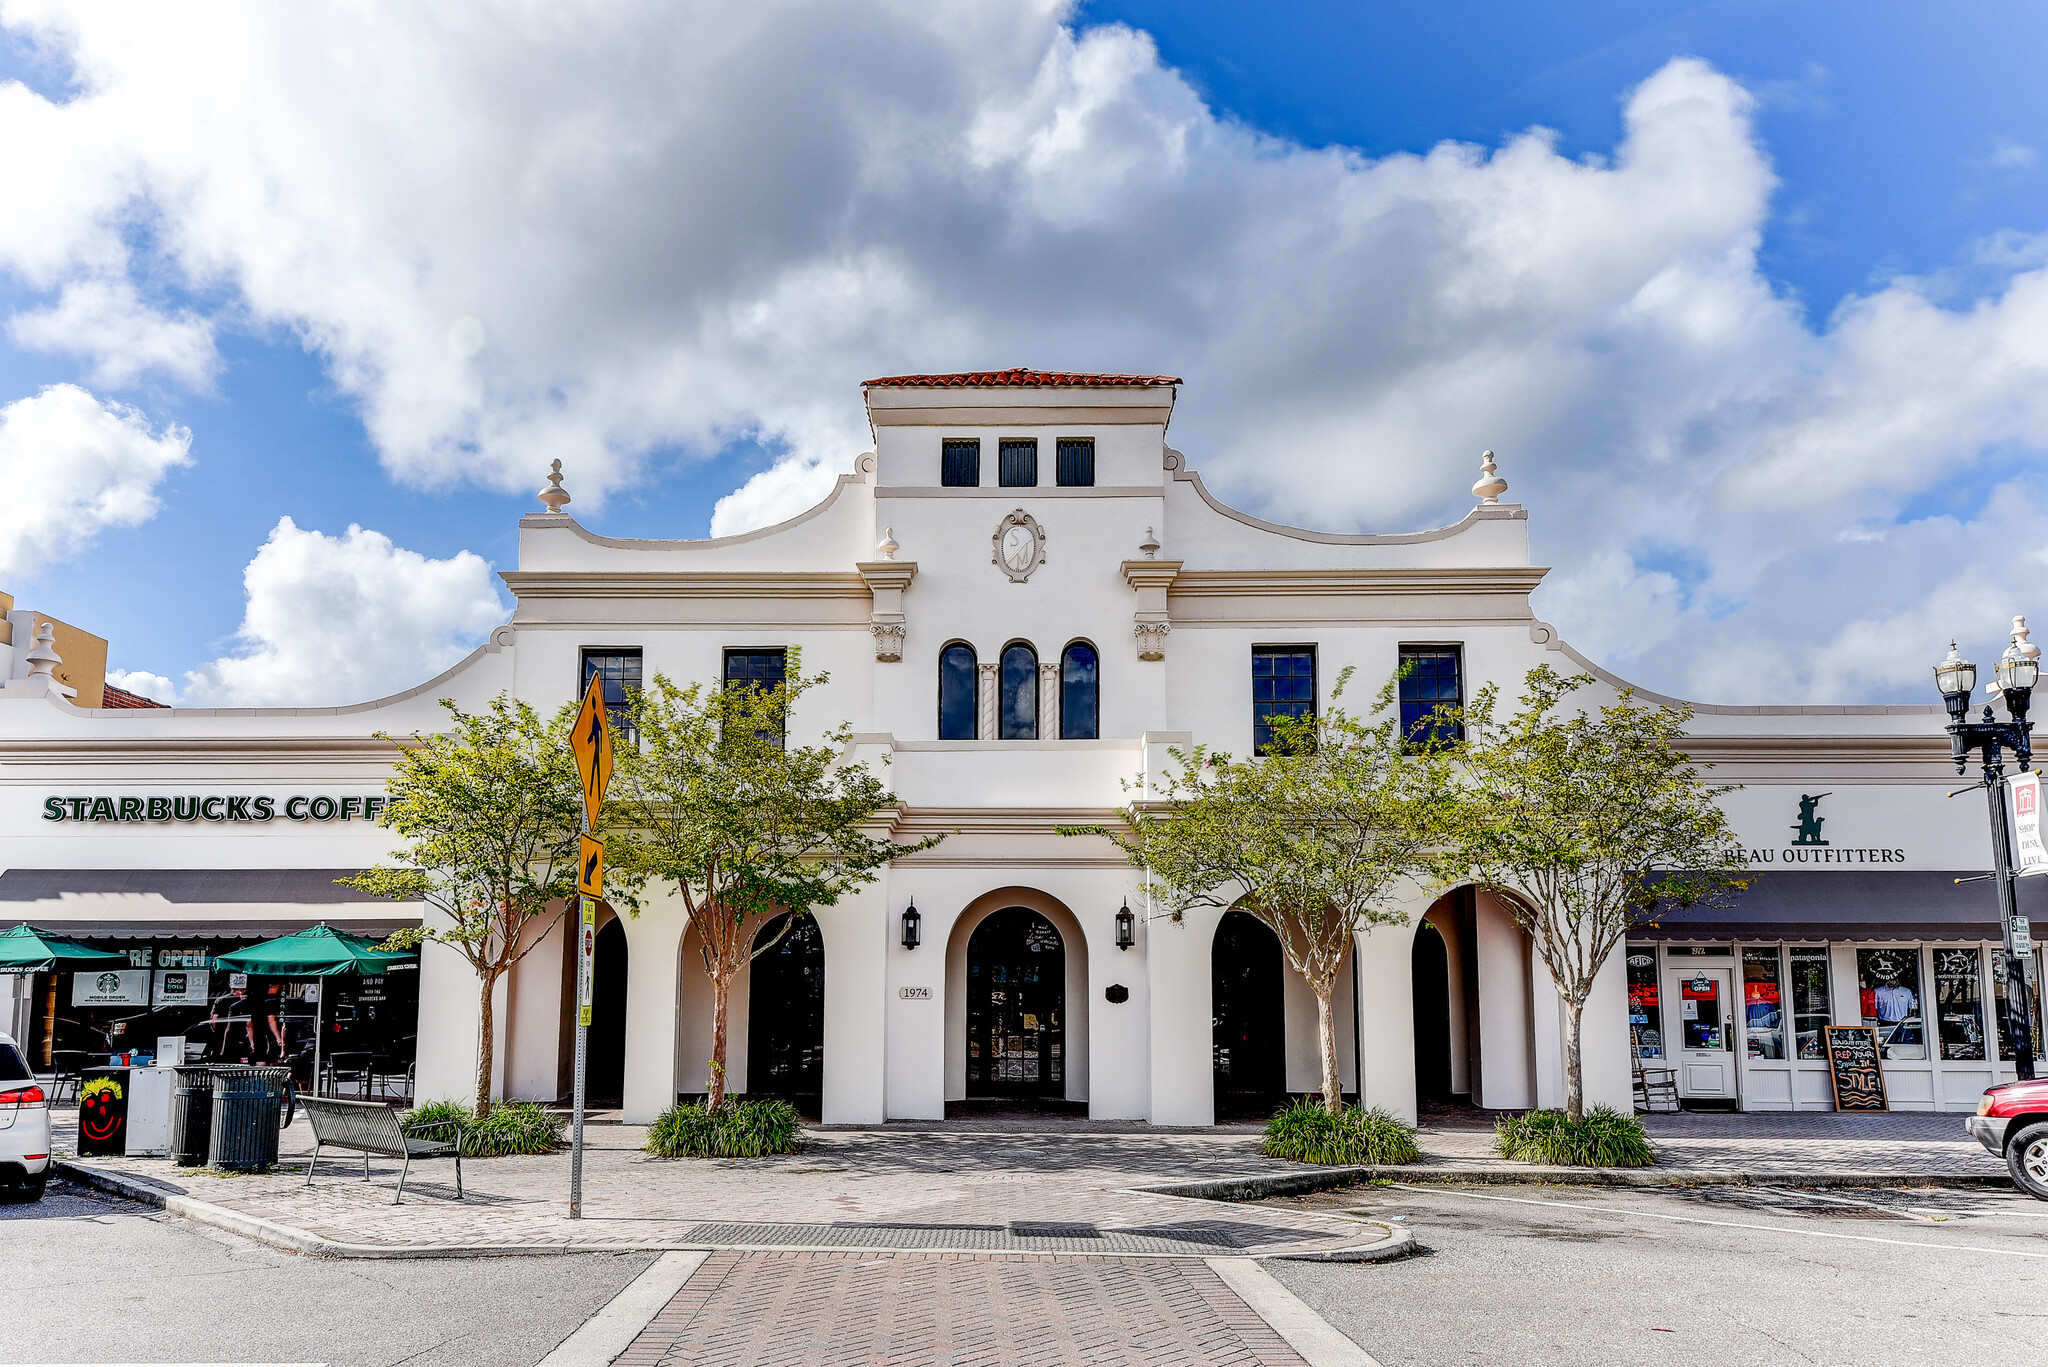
x: 192, y: 1113
x: 247, y: 1106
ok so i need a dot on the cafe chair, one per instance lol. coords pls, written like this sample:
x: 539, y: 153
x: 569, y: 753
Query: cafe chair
x: 1656, y: 1089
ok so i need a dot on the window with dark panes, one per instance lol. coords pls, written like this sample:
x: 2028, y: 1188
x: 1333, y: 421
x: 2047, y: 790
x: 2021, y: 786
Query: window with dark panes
x: 1811, y: 1015
x: 1430, y: 679
x: 1645, y: 1008
x: 1077, y: 462
x: 1078, y: 699
x: 2000, y: 988
x: 756, y: 668
x: 1019, y: 702
x: 956, y: 693
x: 960, y: 463
x: 620, y: 670
x: 1283, y: 685
x: 1017, y: 459
x: 1763, y: 1002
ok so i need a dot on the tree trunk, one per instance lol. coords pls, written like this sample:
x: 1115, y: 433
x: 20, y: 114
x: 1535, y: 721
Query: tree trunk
x: 721, y: 997
x: 486, y: 1042
x: 1326, y: 1037
x: 1574, y: 1075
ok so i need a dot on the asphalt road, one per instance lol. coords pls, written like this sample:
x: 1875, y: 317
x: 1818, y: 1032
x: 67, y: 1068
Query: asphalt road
x: 90, y: 1279
x: 1535, y: 1275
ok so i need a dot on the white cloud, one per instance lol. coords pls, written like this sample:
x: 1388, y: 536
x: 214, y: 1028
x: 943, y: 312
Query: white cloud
x: 603, y: 232
x: 106, y: 322
x: 73, y: 466
x: 342, y: 619
x: 153, y: 686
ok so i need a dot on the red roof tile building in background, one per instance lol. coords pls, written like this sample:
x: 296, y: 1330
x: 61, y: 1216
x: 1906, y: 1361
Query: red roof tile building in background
x: 1017, y: 377
x: 121, y: 697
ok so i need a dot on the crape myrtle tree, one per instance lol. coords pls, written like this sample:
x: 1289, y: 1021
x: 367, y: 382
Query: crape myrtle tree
x: 489, y: 812
x: 715, y: 802
x: 1589, y: 823
x: 1317, y: 838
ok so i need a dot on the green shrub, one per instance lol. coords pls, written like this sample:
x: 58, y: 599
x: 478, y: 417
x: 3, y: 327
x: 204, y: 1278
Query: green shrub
x: 738, y: 1129
x: 1306, y: 1132
x: 1606, y: 1138
x: 512, y: 1127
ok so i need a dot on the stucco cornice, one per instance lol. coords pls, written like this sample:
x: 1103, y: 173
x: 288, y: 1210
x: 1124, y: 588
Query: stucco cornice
x: 138, y: 751
x: 1291, y: 583
x: 684, y: 584
x: 1755, y: 756
x: 1494, y: 512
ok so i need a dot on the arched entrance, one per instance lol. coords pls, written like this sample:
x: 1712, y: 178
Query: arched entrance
x: 1248, y: 1021
x: 1016, y: 1007
x: 1430, y: 970
x: 786, y: 1014
x: 604, y: 1045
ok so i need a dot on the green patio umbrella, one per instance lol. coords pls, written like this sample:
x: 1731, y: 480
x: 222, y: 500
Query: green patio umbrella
x: 24, y: 949
x: 318, y: 951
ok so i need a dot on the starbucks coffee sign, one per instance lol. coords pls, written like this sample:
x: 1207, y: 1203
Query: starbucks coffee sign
x: 298, y: 807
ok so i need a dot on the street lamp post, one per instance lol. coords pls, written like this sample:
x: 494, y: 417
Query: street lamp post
x: 2017, y: 672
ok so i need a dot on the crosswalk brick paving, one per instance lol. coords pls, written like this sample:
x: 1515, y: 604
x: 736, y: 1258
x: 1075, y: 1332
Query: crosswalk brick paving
x: 954, y: 1310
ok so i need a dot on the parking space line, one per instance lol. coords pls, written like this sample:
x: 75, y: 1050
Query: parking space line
x: 1724, y: 1224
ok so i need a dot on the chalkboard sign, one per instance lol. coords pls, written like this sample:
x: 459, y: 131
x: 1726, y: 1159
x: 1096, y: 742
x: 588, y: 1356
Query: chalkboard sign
x: 1853, y: 1062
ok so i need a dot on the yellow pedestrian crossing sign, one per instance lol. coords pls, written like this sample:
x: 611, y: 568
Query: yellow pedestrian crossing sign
x: 591, y: 741
x: 590, y: 868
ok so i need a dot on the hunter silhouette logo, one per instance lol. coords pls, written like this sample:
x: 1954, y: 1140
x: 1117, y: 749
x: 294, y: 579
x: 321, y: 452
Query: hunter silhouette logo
x: 1809, y: 823
x: 99, y: 1112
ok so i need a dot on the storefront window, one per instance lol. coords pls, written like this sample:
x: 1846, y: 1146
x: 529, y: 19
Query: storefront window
x: 1810, y: 1017
x: 1645, y: 1021
x: 1998, y: 991
x: 1889, y: 980
x: 1959, y: 1004
x: 1762, y: 1002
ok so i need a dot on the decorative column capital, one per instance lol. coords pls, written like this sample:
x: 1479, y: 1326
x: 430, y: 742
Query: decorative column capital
x: 886, y: 580
x: 1149, y: 580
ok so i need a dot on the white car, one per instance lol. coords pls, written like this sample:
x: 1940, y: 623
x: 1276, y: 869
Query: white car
x: 24, y: 1125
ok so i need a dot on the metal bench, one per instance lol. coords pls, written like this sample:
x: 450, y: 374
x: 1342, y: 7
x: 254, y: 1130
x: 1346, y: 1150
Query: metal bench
x: 369, y: 1127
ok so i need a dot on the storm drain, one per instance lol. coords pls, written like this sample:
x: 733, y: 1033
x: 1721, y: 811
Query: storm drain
x: 1020, y: 1237
x: 1844, y: 1212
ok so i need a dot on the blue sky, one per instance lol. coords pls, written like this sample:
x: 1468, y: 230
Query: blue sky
x: 1905, y: 141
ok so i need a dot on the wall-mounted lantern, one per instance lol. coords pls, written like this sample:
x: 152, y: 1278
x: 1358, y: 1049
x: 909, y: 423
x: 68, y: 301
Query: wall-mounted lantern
x: 911, y: 922
x: 1126, y: 927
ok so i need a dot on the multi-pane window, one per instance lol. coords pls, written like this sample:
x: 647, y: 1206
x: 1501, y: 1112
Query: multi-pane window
x: 1763, y: 1003
x: 1429, y: 680
x: 1889, y: 983
x: 1017, y: 462
x: 1077, y: 462
x: 960, y: 462
x: 1283, y: 685
x: 620, y: 670
x: 956, y: 693
x: 2000, y: 989
x: 1810, y: 1013
x: 1959, y: 1002
x: 759, y: 669
x: 1078, y: 701
x: 1018, y: 704
x: 1645, y: 1009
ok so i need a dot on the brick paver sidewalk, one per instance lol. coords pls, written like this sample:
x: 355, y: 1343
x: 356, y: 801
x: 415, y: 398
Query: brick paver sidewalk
x: 918, y: 1310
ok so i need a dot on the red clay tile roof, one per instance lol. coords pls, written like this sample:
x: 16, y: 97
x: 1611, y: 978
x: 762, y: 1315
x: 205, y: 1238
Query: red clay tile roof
x: 121, y: 697
x: 1019, y: 378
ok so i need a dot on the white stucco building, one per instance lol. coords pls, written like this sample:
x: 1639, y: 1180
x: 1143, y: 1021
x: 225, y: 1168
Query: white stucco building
x: 1023, y: 596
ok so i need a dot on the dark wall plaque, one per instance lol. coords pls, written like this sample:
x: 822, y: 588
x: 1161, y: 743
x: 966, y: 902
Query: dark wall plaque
x: 1854, y: 1064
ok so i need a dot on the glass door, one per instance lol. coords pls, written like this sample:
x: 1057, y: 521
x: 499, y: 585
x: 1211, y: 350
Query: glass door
x: 1703, y: 1030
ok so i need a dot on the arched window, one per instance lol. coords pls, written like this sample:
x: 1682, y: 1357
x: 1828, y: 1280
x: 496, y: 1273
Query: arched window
x: 956, y: 692
x: 1019, y: 706
x: 1078, y: 706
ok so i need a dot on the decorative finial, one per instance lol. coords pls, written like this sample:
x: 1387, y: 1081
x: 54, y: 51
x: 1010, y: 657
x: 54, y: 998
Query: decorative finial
x: 887, y: 547
x: 1150, y: 545
x: 43, y: 660
x: 554, y: 496
x: 1490, y: 486
x: 2022, y: 647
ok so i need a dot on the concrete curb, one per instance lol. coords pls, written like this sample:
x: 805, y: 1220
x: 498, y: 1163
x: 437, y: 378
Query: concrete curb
x: 1301, y: 1183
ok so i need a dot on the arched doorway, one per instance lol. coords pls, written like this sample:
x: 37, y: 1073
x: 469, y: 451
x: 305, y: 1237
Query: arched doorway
x: 1430, y: 971
x: 1016, y: 1007
x: 786, y: 1014
x: 1248, y: 1021
x: 604, y: 1045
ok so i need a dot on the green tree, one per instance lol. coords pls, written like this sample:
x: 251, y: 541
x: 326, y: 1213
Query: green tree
x: 745, y: 826
x: 1315, y: 838
x: 489, y: 812
x: 1589, y: 823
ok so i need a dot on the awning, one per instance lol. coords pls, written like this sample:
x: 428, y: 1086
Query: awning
x: 1854, y: 905
x: 102, y: 904
x: 311, y: 886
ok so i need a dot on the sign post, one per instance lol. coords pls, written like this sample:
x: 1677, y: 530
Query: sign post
x: 591, y: 742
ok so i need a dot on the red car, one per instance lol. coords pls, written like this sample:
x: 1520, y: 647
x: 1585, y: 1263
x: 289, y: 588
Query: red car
x: 2012, y: 1122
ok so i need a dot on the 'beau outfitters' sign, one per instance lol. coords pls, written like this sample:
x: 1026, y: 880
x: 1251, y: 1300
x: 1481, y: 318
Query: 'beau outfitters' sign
x: 298, y: 807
